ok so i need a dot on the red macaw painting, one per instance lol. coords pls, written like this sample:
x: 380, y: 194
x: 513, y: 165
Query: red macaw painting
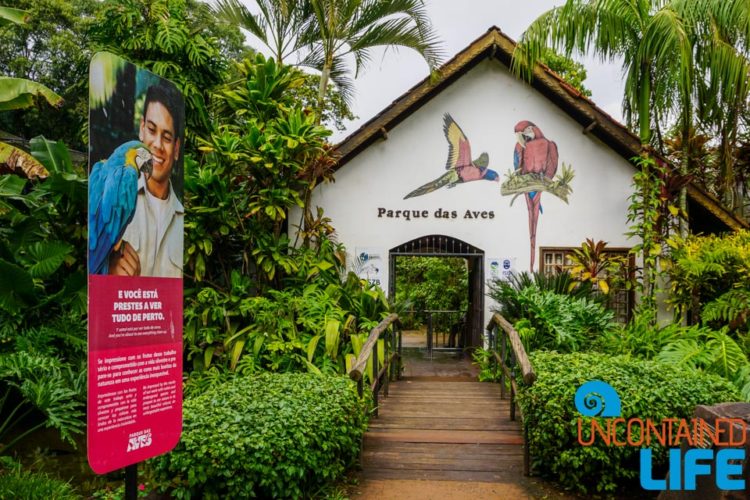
x: 535, y: 160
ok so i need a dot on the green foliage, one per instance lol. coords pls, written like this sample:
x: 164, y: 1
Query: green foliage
x: 505, y: 292
x: 432, y: 283
x: 560, y: 322
x: 175, y: 39
x: 36, y: 383
x: 51, y: 48
x: 489, y: 370
x: 269, y: 150
x: 295, y: 329
x: 648, y: 390
x: 42, y: 243
x: 15, y: 483
x: 710, y: 275
x: 652, y: 213
x: 268, y: 436
x: 573, y: 72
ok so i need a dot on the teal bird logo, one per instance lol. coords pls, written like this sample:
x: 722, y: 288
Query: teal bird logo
x: 113, y: 189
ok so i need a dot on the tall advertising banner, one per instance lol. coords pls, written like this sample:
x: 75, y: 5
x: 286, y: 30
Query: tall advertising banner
x: 135, y: 228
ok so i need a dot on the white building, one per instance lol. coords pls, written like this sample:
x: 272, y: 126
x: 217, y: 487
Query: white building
x: 478, y: 104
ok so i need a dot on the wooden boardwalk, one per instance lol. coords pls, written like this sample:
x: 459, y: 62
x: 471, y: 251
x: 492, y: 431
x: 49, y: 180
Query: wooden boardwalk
x: 443, y: 428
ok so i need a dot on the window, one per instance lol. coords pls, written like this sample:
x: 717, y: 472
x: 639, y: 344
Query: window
x: 556, y: 260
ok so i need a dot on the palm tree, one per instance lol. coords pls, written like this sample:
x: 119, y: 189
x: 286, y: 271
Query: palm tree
x: 654, y: 41
x: 355, y: 27
x: 650, y: 36
x: 279, y: 24
x: 723, y: 70
x: 331, y: 30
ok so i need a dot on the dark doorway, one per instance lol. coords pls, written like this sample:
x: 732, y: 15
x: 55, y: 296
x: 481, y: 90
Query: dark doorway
x: 458, y: 329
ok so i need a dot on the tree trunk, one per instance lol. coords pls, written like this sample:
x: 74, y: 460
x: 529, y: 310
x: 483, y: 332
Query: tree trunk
x: 644, y: 131
x: 684, y: 170
x: 324, y: 77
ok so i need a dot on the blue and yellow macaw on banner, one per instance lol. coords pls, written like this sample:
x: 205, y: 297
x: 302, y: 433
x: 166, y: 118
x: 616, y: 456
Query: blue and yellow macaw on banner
x: 113, y: 189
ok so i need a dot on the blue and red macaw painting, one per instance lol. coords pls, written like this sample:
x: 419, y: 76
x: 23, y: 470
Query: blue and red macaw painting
x: 535, y: 161
x: 459, y: 165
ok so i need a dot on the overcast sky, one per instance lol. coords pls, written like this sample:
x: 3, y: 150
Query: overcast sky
x: 458, y: 23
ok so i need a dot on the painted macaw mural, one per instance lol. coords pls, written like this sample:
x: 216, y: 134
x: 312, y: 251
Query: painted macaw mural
x: 535, y: 162
x: 460, y: 167
x: 534, y: 168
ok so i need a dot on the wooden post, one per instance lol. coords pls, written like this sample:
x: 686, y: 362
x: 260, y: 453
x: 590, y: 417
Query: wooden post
x: 394, y: 348
x: 376, y: 381
x: 400, y: 359
x: 387, y: 360
x: 503, y: 349
x: 429, y: 334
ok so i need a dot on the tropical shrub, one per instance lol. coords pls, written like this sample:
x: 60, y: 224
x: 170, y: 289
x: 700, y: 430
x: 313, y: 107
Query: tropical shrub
x: 489, y: 370
x: 505, y: 292
x: 24, y: 484
x: 710, y: 276
x: 431, y: 283
x: 42, y: 298
x: 647, y: 390
x: 550, y: 318
x: 268, y: 436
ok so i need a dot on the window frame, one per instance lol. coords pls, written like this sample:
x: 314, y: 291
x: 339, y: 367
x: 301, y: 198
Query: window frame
x: 624, y: 251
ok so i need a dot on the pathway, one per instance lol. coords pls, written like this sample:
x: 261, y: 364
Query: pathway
x: 442, y: 434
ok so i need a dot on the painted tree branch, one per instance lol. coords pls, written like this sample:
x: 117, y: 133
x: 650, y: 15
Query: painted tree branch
x: 517, y: 184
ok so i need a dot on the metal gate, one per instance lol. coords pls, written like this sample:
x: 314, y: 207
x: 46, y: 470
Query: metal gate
x: 436, y: 245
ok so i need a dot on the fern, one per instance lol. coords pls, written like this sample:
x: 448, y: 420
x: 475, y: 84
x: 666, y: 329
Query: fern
x: 685, y: 352
x: 733, y: 305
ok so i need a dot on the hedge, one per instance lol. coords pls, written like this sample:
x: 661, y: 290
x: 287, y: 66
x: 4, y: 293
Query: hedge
x: 267, y: 436
x: 646, y: 389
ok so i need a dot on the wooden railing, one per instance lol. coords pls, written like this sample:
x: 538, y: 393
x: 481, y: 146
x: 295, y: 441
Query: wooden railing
x: 392, y: 360
x: 508, y: 360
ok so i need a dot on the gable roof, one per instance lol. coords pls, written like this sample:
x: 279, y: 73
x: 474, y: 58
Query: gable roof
x: 495, y: 44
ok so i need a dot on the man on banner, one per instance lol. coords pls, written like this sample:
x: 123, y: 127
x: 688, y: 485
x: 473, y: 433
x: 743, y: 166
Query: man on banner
x: 152, y: 243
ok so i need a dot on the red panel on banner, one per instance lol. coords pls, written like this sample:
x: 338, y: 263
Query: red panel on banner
x: 135, y: 369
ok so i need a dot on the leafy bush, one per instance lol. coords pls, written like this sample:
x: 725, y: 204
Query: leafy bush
x: 268, y: 436
x: 431, y: 283
x: 549, y: 320
x: 710, y: 275
x: 505, y: 292
x: 15, y: 483
x: 647, y: 389
x: 489, y: 371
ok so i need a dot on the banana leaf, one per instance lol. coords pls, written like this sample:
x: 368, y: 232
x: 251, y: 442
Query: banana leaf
x: 13, y: 159
x: 10, y: 15
x: 16, y: 93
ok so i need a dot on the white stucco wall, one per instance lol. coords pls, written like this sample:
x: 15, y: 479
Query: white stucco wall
x: 486, y: 103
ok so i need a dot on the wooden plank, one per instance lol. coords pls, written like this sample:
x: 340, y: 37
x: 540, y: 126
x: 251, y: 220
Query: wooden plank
x: 462, y: 464
x: 442, y: 475
x: 445, y: 423
x: 443, y: 451
x: 428, y: 436
x: 444, y: 430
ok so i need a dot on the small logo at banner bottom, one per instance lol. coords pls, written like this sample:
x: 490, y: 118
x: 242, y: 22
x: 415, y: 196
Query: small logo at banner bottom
x: 138, y: 440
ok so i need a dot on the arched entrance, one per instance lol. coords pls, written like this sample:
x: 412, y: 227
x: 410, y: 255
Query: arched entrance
x: 445, y: 246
